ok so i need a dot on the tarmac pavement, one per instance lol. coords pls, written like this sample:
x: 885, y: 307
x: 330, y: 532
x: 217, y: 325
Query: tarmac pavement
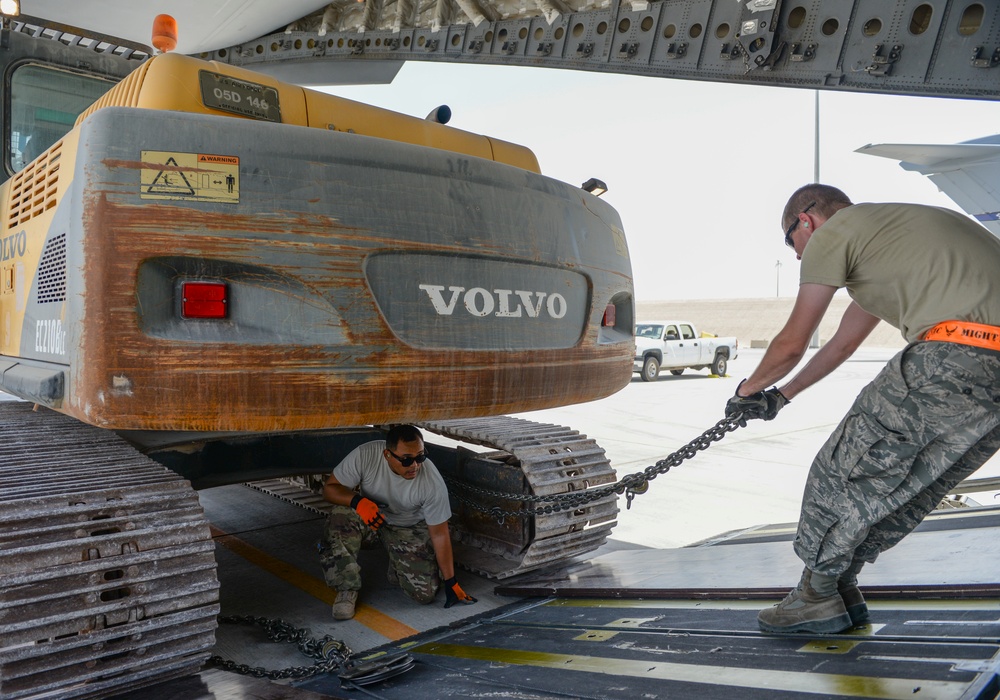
x: 753, y: 476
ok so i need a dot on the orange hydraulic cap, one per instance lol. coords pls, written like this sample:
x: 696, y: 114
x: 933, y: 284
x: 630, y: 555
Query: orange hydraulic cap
x: 164, y: 33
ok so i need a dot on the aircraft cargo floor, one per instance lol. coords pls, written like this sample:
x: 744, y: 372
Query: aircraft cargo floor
x: 587, y: 648
x: 643, y: 623
x: 934, y: 630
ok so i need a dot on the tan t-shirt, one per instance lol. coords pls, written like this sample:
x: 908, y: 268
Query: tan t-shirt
x: 909, y: 264
x: 403, y: 502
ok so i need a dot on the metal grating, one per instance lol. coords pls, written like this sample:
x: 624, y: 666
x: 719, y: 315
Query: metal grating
x: 73, y: 36
x: 52, y: 271
x: 33, y: 190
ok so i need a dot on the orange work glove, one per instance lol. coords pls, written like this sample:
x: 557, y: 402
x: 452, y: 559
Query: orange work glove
x: 369, y: 512
x: 454, y: 594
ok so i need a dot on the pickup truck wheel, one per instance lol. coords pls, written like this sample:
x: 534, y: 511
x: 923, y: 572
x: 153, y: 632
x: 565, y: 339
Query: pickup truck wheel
x: 677, y: 372
x: 650, y: 369
x: 719, y: 365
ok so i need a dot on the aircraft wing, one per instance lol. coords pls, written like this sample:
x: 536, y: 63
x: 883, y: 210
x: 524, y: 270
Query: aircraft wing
x: 969, y: 172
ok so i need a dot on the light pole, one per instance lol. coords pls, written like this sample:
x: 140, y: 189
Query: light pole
x: 816, y: 142
x: 777, y: 279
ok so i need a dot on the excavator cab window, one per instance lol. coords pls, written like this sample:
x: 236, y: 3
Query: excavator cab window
x: 44, y: 104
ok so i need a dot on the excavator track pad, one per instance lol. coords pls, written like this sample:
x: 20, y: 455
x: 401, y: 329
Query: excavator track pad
x: 107, y: 567
x: 529, y: 459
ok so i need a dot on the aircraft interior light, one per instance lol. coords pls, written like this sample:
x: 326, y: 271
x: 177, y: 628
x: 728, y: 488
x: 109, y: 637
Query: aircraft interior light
x: 595, y: 187
x: 10, y: 8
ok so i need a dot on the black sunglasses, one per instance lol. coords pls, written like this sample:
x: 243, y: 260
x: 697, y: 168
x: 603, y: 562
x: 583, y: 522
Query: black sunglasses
x: 788, y: 231
x: 407, y: 461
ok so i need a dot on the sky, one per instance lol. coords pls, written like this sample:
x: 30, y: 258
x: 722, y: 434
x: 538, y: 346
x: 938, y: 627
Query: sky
x: 698, y: 171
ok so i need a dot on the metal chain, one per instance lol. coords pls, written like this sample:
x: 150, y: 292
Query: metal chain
x: 330, y: 654
x: 631, y: 485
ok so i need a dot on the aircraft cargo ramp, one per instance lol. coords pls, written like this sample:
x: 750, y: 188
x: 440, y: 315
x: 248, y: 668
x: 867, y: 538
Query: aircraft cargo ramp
x: 670, y: 623
x: 645, y: 624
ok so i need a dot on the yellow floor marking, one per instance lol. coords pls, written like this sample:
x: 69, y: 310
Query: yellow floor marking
x: 833, y: 646
x: 868, y: 629
x: 656, y: 604
x: 388, y: 627
x: 904, y: 604
x: 818, y: 683
x: 595, y: 636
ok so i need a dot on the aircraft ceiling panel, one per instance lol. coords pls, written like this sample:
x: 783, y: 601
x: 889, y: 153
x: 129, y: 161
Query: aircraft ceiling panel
x: 944, y: 48
x: 935, y: 47
x: 202, y: 26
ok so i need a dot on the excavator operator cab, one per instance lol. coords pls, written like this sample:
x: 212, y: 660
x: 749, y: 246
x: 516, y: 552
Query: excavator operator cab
x: 43, y: 102
x: 47, y: 84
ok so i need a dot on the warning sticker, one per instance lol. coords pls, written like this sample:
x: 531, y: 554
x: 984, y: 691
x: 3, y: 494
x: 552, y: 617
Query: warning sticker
x: 202, y: 177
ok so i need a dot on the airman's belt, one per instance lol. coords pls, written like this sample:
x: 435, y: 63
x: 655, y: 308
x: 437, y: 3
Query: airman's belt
x: 977, y: 334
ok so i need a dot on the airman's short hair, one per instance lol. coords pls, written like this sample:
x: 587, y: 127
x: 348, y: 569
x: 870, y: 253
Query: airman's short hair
x: 828, y: 201
x: 402, y: 433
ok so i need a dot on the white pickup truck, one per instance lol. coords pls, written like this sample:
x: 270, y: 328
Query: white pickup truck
x: 677, y: 345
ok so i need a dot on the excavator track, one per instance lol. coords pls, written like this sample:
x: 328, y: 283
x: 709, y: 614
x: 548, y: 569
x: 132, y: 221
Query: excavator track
x: 107, y: 567
x: 529, y: 458
x: 526, y: 458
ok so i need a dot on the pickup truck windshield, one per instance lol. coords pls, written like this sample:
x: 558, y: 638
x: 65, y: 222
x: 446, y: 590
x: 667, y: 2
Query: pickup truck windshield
x: 648, y: 330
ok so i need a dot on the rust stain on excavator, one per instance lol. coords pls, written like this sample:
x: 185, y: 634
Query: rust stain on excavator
x: 275, y: 221
x: 141, y: 164
x: 129, y: 380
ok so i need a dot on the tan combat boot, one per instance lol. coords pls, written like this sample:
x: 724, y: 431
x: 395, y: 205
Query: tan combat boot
x: 343, y: 607
x: 855, y: 603
x: 847, y: 587
x: 806, y: 611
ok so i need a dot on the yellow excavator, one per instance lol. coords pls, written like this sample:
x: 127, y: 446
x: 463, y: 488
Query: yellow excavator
x: 210, y: 276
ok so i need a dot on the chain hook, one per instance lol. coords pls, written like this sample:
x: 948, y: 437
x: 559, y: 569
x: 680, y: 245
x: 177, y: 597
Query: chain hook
x: 633, y: 491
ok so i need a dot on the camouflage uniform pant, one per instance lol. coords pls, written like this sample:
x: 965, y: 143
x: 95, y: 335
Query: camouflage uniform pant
x: 925, y: 423
x: 411, y: 556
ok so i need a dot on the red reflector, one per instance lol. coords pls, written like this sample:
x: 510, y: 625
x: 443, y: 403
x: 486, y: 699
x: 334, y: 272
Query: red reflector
x: 609, y: 316
x: 203, y: 300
